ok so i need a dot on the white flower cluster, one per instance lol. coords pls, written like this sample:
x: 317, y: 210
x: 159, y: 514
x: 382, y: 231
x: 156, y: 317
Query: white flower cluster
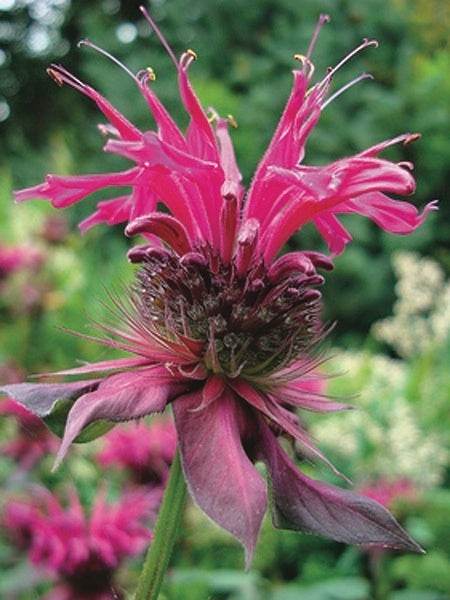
x: 421, y: 317
x: 384, y: 436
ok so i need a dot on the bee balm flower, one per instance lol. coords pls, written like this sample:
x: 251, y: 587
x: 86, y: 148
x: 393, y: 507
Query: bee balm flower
x: 217, y: 324
x: 82, y: 552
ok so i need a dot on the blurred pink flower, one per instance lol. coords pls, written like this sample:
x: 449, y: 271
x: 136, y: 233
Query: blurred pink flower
x: 81, y: 552
x: 215, y: 323
x: 146, y: 450
x: 387, y: 491
x: 55, y: 229
x: 33, y: 439
x: 14, y: 258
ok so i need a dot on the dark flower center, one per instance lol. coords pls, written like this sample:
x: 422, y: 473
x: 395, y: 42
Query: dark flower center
x: 250, y: 325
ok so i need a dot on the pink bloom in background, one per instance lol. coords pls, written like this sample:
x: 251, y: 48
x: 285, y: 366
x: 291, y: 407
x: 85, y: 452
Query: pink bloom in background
x: 14, y: 258
x: 55, y: 229
x: 80, y: 552
x: 33, y: 440
x: 387, y: 491
x: 216, y: 324
x: 146, y: 450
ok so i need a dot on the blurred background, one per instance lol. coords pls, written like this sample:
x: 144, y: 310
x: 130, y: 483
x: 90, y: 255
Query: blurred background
x: 388, y: 295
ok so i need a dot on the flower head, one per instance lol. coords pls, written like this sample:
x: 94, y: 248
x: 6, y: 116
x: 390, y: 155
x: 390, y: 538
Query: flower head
x: 14, y: 258
x: 216, y: 324
x: 81, y: 552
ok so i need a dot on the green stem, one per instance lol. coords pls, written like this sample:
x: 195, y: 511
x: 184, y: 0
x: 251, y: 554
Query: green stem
x: 160, y: 551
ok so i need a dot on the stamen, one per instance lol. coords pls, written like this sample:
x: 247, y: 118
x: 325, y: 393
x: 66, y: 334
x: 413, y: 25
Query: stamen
x: 162, y: 39
x: 411, y: 138
x: 115, y: 60
x: 55, y: 76
x: 192, y: 53
x: 213, y: 115
x: 346, y: 87
x: 60, y: 75
x: 232, y: 121
x: 365, y: 44
x: 324, y: 18
x: 305, y: 62
x: 151, y: 74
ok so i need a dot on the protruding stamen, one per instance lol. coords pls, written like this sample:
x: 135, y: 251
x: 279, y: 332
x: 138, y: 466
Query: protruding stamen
x: 151, y: 74
x: 115, y: 60
x: 411, y: 138
x: 187, y: 58
x: 162, y: 39
x: 61, y: 75
x: 232, y: 121
x: 324, y: 18
x: 305, y: 62
x: 192, y: 53
x: 346, y: 87
x: 55, y: 76
x: 365, y: 44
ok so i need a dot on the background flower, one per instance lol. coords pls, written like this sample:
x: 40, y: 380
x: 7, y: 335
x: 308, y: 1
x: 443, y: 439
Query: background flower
x: 80, y: 552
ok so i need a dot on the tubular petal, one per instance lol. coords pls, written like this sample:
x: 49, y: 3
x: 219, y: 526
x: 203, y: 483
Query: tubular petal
x: 163, y: 226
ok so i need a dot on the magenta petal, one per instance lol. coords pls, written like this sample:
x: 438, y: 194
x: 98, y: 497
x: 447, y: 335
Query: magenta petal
x: 119, y: 397
x: 221, y: 478
x: 303, y: 504
x: 391, y: 215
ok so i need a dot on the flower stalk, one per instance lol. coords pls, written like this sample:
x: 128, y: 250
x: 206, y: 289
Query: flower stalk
x: 160, y: 551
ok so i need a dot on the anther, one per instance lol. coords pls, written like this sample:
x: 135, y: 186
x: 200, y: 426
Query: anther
x: 232, y: 121
x: 55, y: 76
x: 411, y: 138
x: 192, y: 53
x: 301, y: 58
x: 151, y: 74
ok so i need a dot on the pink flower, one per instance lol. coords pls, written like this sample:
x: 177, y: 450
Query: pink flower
x: 81, y: 552
x: 386, y: 491
x: 145, y: 450
x: 14, y: 258
x: 216, y: 324
x: 33, y: 439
